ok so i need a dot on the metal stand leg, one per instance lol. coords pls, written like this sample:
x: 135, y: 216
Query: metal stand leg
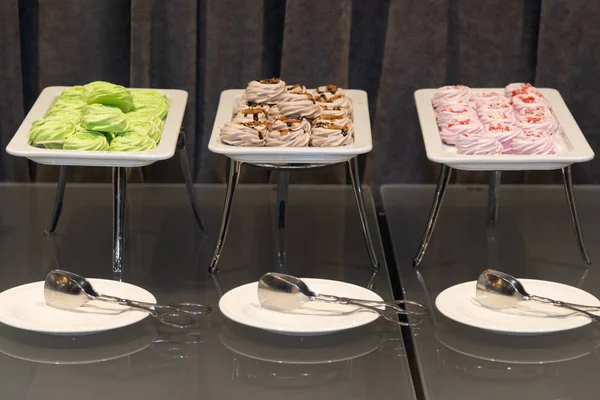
x: 492, y: 217
x: 568, y: 181
x: 234, y: 176
x: 283, y: 179
x: 355, y: 179
x: 187, y: 177
x: 58, y: 200
x: 443, y: 180
x: 119, y: 187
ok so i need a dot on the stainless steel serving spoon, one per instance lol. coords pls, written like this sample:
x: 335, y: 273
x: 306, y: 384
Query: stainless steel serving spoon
x: 281, y: 292
x: 498, y: 290
x: 66, y: 290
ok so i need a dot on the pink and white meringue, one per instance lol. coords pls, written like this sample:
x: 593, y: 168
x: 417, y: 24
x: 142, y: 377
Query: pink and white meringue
x: 288, y: 133
x: 244, y: 134
x: 494, y: 106
x: 480, y: 98
x: 449, y: 132
x: 327, y: 91
x: 444, y: 114
x: 533, y: 142
x: 545, y: 124
x: 339, y: 101
x: 504, y: 133
x: 325, y: 134
x: 456, y: 94
x: 265, y: 91
x: 250, y: 114
x: 518, y: 88
x: 535, y: 111
x: 298, y: 105
x: 522, y: 101
x: 478, y: 144
x: 495, y: 116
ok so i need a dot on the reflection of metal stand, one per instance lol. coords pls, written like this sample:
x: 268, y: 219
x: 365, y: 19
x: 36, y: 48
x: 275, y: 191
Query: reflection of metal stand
x: 119, y: 189
x: 443, y: 180
x: 283, y: 179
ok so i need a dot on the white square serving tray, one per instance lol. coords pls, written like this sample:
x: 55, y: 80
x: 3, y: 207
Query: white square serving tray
x: 19, y: 146
x: 572, y: 147
x: 296, y: 155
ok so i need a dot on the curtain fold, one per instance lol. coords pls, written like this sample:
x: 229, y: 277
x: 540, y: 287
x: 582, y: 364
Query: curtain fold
x: 11, y: 89
x: 389, y: 48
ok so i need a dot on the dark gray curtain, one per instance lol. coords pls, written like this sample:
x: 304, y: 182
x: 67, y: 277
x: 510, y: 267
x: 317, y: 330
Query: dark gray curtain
x: 387, y: 47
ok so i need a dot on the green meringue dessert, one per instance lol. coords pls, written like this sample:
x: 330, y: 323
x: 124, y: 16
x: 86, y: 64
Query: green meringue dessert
x: 151, y: 101
x: 50, y: 133
x: 131, y: 142
x: 75, y: 92
x: 101, y: 118
x: 146, y: 116
x: 111, y: 95
x: 147, y: 128
x: 86, y: 140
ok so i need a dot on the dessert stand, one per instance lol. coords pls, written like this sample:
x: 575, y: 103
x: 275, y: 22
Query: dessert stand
x: 173, y: 139
x: 572, y: 147
x: 287, y: 159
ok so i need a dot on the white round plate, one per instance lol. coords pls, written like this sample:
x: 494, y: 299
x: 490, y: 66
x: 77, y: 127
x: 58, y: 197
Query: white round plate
x: 315, y: 318
x: 529, y: 318
x: 24, y: 307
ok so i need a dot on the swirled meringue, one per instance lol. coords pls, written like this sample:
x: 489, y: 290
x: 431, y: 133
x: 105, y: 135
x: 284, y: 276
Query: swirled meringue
x: 244, y: 103
x: 274, y: 111
x: 545, y: 124
x: 288, y: 133
x: 296, y: 88
x: 244, y: 134
x: 338, y: 102
x: 341, y: 120
x: 449, y: 132
x: 478, y: 144
x: 480, y: 98
x: 327, y: 91
x: 521, y: 101
x: 456, y: 94
x: 517, y: 88
x: 495, y: 106
x: 495, y: 116
x: 325, y: 134
x: 533, y: 142
x: 535, y: 111
x: 446, y: 113
x: 504, y: 133
x: 265, y: 91
x: 298, y: 105
x: 250, y: 115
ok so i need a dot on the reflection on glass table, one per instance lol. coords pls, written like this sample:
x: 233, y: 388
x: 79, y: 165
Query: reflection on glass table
x: 533, y: 240
x: 163, y: 256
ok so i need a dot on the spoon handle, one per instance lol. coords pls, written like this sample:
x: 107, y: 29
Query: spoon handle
x: 552, y: 301
x: 170, y: 316
x: 395, y: 305
x: 387, y: 314
x: 568, y: 306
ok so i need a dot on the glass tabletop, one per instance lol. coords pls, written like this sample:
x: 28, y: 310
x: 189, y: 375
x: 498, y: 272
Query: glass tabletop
x: 534, y: 239
x: 166, y: 254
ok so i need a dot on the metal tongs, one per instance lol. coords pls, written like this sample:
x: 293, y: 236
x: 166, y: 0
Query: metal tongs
x: 66, y: 290
x: 281, y: 292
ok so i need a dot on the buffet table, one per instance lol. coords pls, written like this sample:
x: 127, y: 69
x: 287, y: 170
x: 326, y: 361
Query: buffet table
x: 533, y: 240
x: 168, y: 255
